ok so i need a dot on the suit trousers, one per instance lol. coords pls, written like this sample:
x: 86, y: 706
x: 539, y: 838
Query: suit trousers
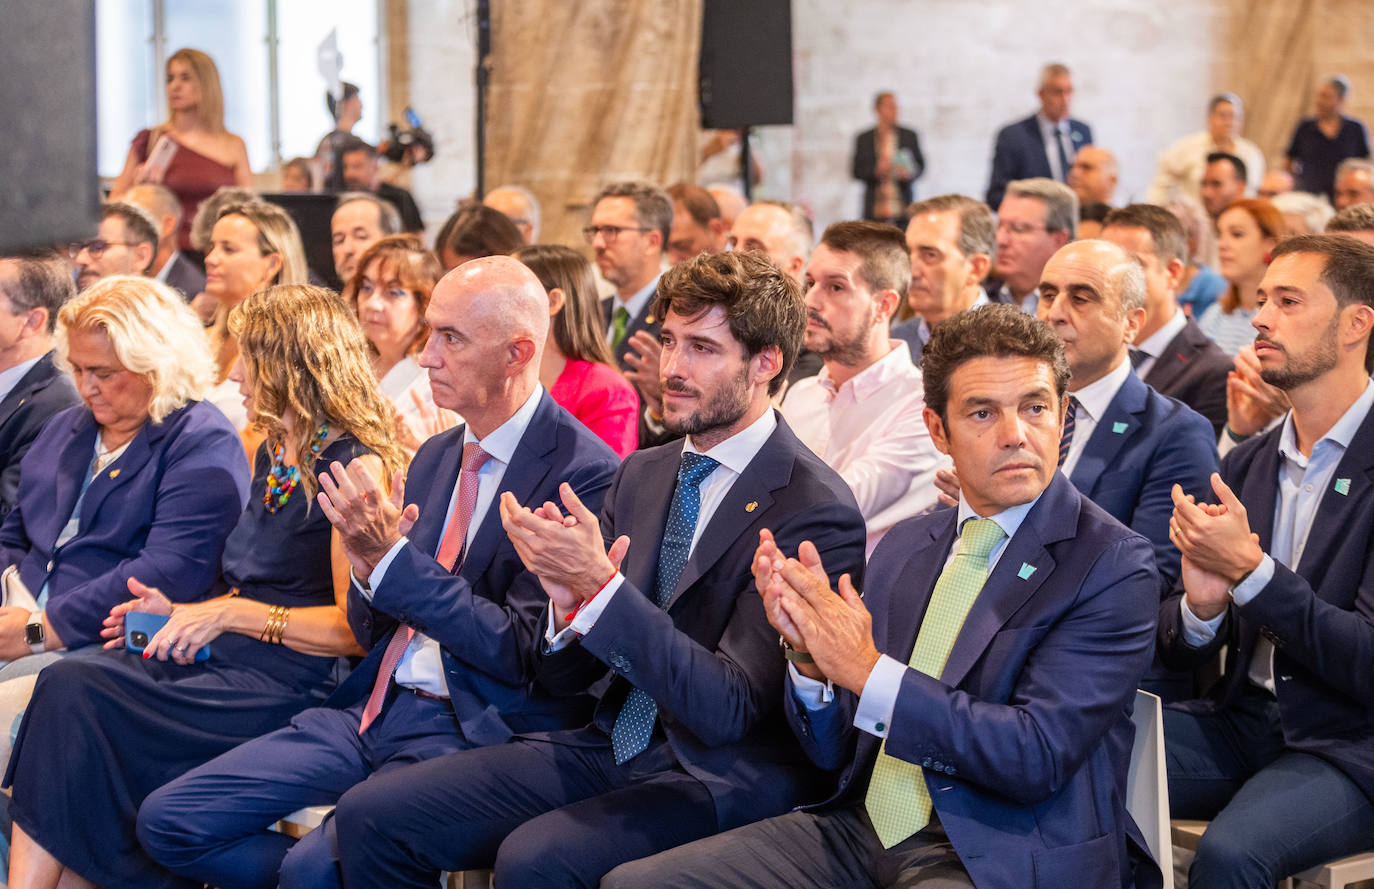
x: 827, y: 850
x: 1274, y: 811
x: 213, y: 824
x: 556, y: 811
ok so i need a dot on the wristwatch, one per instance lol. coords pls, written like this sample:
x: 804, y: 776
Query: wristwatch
x: 791, y: 654
x: 33, y: 632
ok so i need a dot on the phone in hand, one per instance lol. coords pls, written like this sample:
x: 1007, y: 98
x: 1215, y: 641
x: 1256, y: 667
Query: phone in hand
x: 141, y: 626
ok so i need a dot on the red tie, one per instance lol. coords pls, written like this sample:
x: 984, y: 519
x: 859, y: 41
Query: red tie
x: 450, y: 548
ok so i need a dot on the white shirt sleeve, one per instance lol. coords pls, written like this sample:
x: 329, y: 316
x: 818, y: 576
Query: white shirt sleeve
x: 813, y: 694
x: 586, y: 617
x: 378, y: 573
x: 879, y: 697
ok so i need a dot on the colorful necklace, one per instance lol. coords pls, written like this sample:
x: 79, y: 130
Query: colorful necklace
x: 282, y: 480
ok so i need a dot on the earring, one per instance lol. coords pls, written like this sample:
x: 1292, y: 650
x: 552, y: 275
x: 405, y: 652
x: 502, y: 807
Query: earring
x: 1268, y: 257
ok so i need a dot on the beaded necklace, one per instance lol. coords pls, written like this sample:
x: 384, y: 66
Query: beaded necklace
x: 282, y: 480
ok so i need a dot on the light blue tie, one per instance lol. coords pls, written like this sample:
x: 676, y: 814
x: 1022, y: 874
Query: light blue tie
x: 634, y: 725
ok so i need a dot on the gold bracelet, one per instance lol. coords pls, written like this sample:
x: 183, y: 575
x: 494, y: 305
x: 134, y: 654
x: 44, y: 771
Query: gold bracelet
x: 281, y: 625
x: 273, y: 614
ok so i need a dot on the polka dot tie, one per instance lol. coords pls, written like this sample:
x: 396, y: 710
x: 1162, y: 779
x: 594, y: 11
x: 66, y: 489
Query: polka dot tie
x: 635, y: 723
x: 898, y: 802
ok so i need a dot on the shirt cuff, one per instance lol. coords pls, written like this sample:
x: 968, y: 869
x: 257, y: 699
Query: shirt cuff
x: 1257, y: 580
x: 586, y: 616
x: 1196, y: 631
x: 879, y: 698
x: 374, y: 579
x: 813, y: 694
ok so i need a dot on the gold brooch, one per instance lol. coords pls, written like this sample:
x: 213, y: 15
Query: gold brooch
x: 751, y: 506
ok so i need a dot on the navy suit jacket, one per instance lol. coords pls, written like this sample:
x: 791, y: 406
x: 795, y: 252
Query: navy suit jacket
x: 41, y: 392
x: 1143, y: 445
x: 184, y: 277
x: 643, y: 320
x: 711, y: 659
x: 1024, y: 741
x: 865, y: 162
x: 1020, y: 154
x: 1193, y: 369
x: 161, y: 513
x: 486, y: 617
x: 1320, y: 616
x: 909, y: 331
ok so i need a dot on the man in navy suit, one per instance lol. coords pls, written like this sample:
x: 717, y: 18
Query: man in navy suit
x: 32, y: 289
x: 1170, y: 352
x: 170, y: 265
x: 688, y: 737
x: 460, y: 630
x: 977, y: 698
x: 1281, y: 757
x: 1044, y: 143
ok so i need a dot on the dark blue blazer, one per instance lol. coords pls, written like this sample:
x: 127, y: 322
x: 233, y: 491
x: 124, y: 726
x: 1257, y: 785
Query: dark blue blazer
x: 1143, y: 445
x: 711, y: 659
x: 41, y: 392
x: 161, y: 513
x: 1193, y: 369
x: 1320, y: 616
x: 486, y: 618
x: 1025, y: 740
x: 1020, y: 154
x: 909, y: 332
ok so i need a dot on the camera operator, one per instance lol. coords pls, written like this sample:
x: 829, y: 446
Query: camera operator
x: 362, y: 172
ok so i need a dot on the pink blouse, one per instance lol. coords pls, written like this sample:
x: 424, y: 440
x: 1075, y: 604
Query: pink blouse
x: 603, y: 400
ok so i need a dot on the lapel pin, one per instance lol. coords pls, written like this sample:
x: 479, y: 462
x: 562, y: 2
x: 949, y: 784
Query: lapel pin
x: 648, y: 319
x: 1027, y: 569
x: 751, y: 506
x: 1118, y: 427
x: 1342, y: 486
x: 114, y: 473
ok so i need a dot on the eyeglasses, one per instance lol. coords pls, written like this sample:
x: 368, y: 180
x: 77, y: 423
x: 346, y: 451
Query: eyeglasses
x: 95, y: 246
x: 608, y: 232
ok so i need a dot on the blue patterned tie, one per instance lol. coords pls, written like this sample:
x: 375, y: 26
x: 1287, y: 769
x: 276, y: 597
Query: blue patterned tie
x: 1066, y: 440
x: 635, y: 723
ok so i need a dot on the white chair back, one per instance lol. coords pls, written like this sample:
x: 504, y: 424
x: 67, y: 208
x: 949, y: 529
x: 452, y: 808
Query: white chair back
x: 1147, y: 784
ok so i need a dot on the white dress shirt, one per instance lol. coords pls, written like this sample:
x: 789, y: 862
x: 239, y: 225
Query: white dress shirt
x: 734, y: 455
x: 421, y: 666
x: 1093, y: 401
x: 1156, y: 343
x: 1050, y: 132
x: 871, y: 430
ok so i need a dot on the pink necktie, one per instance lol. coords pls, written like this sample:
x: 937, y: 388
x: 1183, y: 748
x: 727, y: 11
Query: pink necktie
x: 451, y: 547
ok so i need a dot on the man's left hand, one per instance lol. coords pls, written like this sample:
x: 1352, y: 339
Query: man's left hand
x: 565, y: 552
x: 836, y: 627
x: 369, y: 521
x: 1216, y: 538
x: 643, y: 358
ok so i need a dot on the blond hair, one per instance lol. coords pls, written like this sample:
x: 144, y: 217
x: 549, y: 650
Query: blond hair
x: 210, y: 107
x: 306, y: 353
x: 277, y: 233
x: 153, y: 333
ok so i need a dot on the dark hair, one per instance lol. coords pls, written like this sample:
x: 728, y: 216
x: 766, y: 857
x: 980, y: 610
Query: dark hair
x: 653, y: 207
x: 1236, y: 163
x: 698, y: 202
x: 349, y: 91
x: 977, y: 227
x: 1349, y: 270
x: 878, y: 99
x: 138, y: 224
x: 1093, y: 211
x: 578, y: 329
x: 43, y: 280
x: 1341, y: 84
x: 995, y: 331
x: 477, y: 230
x: 1166, y: 232
x: 353, y: 143
x: 886, y: 261
x: 763, y: 305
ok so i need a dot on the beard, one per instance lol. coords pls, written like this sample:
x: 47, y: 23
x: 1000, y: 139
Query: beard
x: 1304, y: 368
x: 849, y: 348
x: 722, y: 408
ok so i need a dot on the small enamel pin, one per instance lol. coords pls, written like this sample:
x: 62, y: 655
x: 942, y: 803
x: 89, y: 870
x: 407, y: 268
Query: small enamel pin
x: 751, y: 506
x: 648, y: 319
x: 114, y: 473
x: 1118, y: 427
x: 1027, y: 569
x: 1342, y: 486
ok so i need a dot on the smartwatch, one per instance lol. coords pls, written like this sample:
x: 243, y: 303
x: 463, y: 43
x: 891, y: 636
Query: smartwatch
x: 33, y: 632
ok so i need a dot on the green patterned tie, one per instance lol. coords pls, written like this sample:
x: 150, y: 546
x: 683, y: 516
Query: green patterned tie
x: 898, y: 802
x: 619, y: 321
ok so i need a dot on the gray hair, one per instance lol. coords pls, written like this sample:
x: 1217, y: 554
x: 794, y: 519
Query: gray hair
x: 653, y: 207
x: 1231, y: 99
x: 977, y: 228
x: 389, y: 217
x: 531, y: 214
x: 1355, y: 218
x: 1061, y: 204
x: 1315, y: 211
x: 1053, y: 69
x: 1355, y: 165
x: 156, y: 199
x: 207, y: 214
x: 42, y: 280
x: 801, y: 234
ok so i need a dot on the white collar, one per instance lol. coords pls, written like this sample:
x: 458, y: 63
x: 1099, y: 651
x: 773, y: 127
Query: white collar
x: 736, y: 451
x: 1097, y: 395
x: 896, y: 363
x: 502, y: 441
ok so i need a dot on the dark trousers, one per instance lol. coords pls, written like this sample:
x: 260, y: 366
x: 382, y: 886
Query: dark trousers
x: 833, y: 849
x: 1274, y: 811
x: 543, y: 813
x: 213, y: 823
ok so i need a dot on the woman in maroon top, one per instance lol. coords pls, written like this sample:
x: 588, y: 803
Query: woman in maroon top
x: 191, y: 152
x: 577, y: 367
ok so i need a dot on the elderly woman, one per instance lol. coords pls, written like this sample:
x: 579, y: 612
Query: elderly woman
x: 142, y: 480
x: 253, y: 245
x: 104, y: 731
x: 390, y: 292
x: 578, y: 368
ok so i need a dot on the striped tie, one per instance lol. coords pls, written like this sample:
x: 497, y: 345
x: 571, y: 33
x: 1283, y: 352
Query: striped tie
x: 1066, y: 440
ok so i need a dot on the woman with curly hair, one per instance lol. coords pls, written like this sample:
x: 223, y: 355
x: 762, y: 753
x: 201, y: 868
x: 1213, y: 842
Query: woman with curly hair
x: 104, y: 731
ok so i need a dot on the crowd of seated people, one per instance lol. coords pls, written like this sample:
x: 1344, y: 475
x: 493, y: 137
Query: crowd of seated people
x: 715, y: 554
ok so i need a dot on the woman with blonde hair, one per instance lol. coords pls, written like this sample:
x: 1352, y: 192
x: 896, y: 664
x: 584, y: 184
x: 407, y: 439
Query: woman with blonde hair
x: 390, y: 292
x: 191, y: 152
x: 578, y: 368
x: 107, y: 730
x: 253, y: 245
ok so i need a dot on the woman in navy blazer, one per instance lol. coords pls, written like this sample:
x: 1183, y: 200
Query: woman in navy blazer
x: 140, y: 480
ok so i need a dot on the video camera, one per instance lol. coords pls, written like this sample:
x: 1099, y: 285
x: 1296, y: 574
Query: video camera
x: 409, y: 146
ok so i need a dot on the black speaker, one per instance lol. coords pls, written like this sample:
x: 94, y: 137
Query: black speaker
x: 746, y: 63
x: 50, y: 192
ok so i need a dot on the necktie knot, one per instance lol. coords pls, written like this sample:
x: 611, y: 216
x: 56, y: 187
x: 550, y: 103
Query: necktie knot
x: 979, y: 538
x: 695, y: 467
x: 474, y: 458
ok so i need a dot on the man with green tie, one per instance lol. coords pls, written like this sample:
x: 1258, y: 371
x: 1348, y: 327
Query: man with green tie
x: 977, y: 699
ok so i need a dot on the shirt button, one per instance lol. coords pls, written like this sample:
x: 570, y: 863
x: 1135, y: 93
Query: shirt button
x: 878, y: 726
x: 1308, y: 489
